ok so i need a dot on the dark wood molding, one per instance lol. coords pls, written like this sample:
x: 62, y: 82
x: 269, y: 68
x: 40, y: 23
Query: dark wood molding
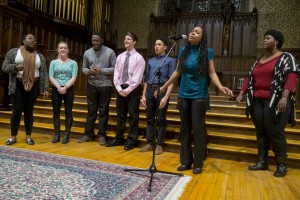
x: 69, y: 24
x: 4, y: 2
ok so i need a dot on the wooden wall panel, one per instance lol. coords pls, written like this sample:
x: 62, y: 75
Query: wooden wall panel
x: 236, y: 40
x: 11, y: 29
x: 246, y: 40
x: 217, y: 37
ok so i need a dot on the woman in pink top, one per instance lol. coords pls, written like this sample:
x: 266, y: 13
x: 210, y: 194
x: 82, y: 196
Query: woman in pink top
x: 270, y: 88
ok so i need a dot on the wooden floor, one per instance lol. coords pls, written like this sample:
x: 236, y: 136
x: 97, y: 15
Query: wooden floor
x: 220, y: 179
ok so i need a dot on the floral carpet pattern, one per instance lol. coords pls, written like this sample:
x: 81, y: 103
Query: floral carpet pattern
x: 29, y: 174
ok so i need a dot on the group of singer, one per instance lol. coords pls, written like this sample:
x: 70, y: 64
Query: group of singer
x: 270, y: 87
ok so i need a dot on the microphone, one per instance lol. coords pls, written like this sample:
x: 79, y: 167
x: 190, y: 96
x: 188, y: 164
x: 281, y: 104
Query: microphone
x: 178, y: 37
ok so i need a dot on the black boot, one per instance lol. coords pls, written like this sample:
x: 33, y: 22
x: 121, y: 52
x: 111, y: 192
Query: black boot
x: 56, y: 138
x: 262, y: 163
x: 281, y: 165
x: 281, y: 170
x: 68, y: 125
x: 56, y: 130
x: 66, y: 138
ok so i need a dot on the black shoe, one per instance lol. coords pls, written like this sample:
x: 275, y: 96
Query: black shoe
x: 129, y: 146
x: 10, y: 141
x: 66, y: 138
x: 114, y: 143
x: 197, y: 170
x: 30, y: 141
x: 184, y: 167
x: 85, y: 138
x: 281, y: 170
x: 260, y: 165
x: 56, y: 138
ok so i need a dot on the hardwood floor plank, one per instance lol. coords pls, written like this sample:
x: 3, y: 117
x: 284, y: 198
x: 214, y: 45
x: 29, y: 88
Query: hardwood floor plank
x: 230, y: 186
x: 236, y: 183
x: 222, y: 180
x: 242, y: 181
x: 249, y: 186
x: 267, y: 190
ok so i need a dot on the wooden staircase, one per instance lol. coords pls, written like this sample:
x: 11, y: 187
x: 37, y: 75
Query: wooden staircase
x: 230, y: 134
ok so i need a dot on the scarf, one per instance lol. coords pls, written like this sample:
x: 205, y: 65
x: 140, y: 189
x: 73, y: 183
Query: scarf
x: 286, y: 64
x: 29, y: 68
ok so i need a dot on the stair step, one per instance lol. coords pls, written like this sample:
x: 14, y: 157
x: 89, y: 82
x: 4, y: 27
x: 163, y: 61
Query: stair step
x: 173, y: 115
x: 230, y: 134
x: 225, y: 107
x: 242, y: 140
x: 250, y: 139
x: 215, y: 150
x: 171, y: 120
x: 246, y: 151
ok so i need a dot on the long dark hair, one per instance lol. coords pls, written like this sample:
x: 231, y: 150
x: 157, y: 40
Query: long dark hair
x: 202, y: 67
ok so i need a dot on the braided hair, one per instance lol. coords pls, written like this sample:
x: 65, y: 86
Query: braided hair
x: 202, y: 67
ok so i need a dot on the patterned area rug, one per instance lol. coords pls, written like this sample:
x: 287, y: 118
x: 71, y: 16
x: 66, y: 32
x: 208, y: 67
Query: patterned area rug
x: 28, y: 174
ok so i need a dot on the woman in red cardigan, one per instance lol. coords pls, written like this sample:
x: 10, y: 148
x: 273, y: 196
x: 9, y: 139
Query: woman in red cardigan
x: 270, y: 88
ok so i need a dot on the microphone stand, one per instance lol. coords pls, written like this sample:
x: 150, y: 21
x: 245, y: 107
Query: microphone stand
x: 153, y: 168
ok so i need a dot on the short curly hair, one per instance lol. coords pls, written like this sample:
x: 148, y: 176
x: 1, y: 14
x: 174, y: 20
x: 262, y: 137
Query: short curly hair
x: 277, y: 36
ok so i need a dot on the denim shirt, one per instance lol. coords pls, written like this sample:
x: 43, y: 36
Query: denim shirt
x: 192, y: 87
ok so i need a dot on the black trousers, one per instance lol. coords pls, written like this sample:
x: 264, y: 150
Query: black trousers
x: 268, y: 131
x: 98, y: 99
x: 23, y: 101
x: 151, y: 114
x: 57, y: 100
x: 68, y: 104
x: 129, y: 104
x: 192, y: 116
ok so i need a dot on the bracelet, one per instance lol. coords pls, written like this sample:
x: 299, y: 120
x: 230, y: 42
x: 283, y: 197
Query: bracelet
x: 283, y: 98
x: 66, y: 87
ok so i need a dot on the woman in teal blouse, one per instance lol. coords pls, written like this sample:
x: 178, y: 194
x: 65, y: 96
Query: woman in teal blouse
x: 196, y: 68
x: 62, y: 75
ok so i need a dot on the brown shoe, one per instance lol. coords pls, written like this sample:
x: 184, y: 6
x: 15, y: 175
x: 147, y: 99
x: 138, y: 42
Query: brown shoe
x: 85, y: 138
x: 159, y: 150
x: 102, y: 140
x: 147, y: 147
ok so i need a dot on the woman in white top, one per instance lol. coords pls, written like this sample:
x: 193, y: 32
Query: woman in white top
x: 27, y: 78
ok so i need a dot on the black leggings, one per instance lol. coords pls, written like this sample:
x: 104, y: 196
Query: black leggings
x: 23, y: 101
